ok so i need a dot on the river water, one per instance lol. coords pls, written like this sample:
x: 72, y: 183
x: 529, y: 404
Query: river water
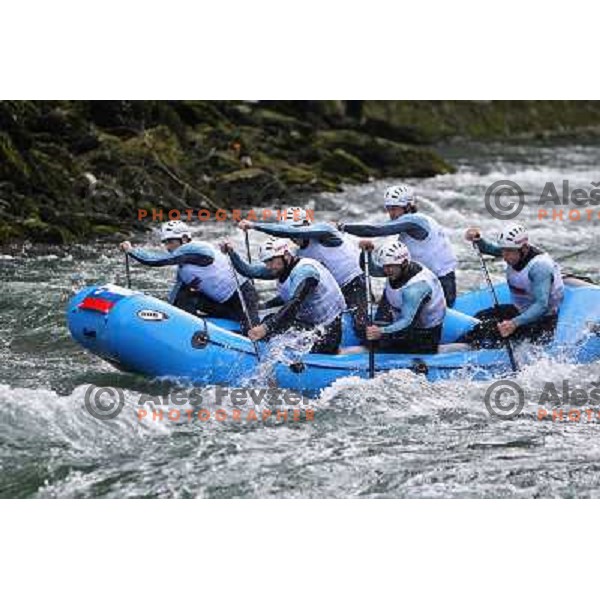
x: 394, y: 436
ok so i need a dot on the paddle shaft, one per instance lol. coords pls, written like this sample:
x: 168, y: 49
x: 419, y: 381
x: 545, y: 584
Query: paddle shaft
x: 248, y: 253
x: 247, y: 236
x: 370, y: 345
x: 127, y: 271
x: 509, y: 348
x: 244, y: 306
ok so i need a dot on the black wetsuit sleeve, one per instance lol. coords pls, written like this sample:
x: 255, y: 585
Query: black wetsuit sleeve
x: 384, y: 311
x: 488, y: 247
x: 284, y: 317
x: 322, y: 232
x: 273, y: 302
x: 181, y: 256
x: 405, y: 224
x: 253, y: 271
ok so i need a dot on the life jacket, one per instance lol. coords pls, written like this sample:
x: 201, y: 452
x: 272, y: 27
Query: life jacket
x: 216, y: 280
x: 326, y: 301
x: 432, y: 312
x: 435, y: 251
x: 342, y: 261
x: 520, y: 285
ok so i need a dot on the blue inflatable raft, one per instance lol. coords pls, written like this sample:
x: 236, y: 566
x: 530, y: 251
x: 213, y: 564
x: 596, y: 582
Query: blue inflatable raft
x: 141, y: 334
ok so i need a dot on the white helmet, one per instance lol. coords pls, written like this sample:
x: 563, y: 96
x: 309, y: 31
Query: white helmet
x: 174, y: 230
x: 398, y: 195
x: 513, y: 236
x: 295, y: 216
x: 272, y: 248
x: 392, y: 253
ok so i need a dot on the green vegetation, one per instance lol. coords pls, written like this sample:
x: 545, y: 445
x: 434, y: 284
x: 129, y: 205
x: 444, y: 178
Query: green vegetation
x: 73, y: 171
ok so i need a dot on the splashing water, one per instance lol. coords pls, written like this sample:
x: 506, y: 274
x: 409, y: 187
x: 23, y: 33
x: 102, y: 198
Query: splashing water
x: 394, y: 436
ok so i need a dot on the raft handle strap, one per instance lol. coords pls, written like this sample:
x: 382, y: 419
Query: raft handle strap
x: 201, y: 338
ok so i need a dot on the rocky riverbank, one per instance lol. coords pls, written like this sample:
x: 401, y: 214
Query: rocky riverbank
x: 78, y: 170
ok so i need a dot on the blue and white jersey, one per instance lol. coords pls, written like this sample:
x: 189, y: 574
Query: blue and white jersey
x: 407, y: 300
x: 325, y: 244
x: 435, y: 251
x: 200, y: 266
x: 537, y: 289
x: 540, y: 278
x: 425, y: 238
x: 325, y: 303
x: 343, y: 262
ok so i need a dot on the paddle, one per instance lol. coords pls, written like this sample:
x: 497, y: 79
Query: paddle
x: 127, y: 272
x: 244, y: 307
x: 507, y: 342
x: 370, y: 345
x: 248, y: 253
x: 247, y: 235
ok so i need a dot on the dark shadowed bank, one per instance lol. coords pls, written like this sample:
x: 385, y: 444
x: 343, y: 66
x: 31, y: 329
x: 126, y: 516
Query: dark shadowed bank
x: 79, y: 170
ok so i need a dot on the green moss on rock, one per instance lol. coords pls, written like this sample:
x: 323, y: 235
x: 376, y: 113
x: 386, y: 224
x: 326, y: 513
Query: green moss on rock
x: 486, y: 119
x: 9, y: 233
x: 297, y: 176
x: 342, y: 163
x: 106, y: 230
x: 69, y: 170
x: 12, y: 164
x: 388, y: 158
x: 248, y: 187
x: 45, y: 233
